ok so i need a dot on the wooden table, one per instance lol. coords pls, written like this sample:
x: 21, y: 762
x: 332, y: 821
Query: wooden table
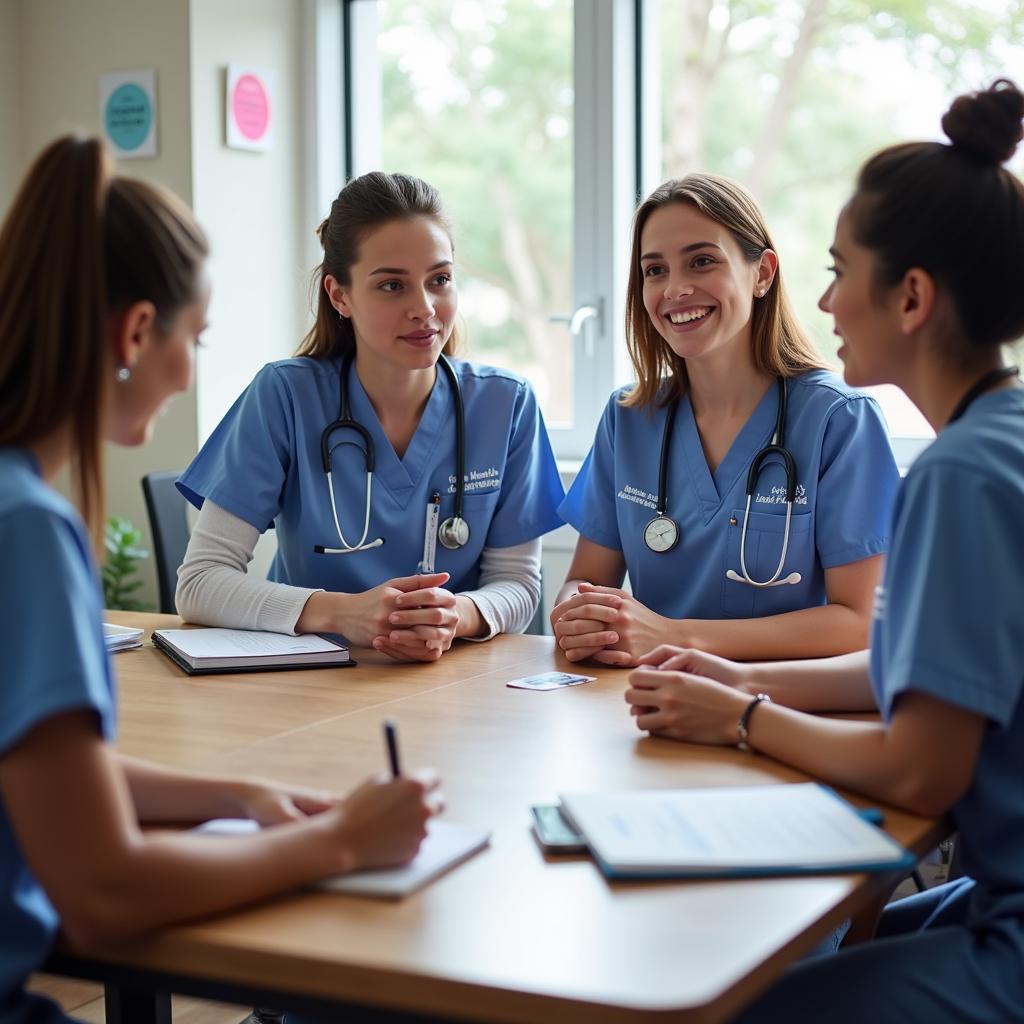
x: 512, y: 935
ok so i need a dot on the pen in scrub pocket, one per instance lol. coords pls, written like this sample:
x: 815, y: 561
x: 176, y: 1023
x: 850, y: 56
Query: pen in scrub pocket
x: 391, y: 739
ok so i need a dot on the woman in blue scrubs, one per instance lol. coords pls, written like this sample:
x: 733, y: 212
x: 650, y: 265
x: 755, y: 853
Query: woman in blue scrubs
x: 713, y: 341
x: 929, y: 266
x: 399, y: 571
x: 103, y: 293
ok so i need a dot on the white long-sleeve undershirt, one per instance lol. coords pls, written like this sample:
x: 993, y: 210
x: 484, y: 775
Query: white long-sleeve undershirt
x: 214, y: 587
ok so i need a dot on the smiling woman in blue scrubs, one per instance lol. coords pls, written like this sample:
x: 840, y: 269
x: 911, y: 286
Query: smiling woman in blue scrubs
x: 929, y: 264
x: 379, y: 359
x: 786, y: 572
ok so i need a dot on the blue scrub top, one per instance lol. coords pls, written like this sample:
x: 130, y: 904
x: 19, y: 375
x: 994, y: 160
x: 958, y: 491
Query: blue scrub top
x: 54, y: 661
x: 949, y: 622
x: 263, y: 464
x: 846, y: 480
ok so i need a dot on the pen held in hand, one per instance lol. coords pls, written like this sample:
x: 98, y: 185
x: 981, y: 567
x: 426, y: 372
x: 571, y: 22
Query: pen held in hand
x: 391, y: 739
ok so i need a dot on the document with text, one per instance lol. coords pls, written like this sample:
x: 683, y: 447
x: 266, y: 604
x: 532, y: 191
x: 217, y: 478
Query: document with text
x: 729, y: 831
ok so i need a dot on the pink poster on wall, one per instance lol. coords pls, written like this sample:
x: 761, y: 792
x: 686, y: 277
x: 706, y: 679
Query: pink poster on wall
x: 250, y: 108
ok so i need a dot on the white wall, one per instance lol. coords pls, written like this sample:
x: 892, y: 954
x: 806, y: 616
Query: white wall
x: 64, y: 46
x: 251, y: 204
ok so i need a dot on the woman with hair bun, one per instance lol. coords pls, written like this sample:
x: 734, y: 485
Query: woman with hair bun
x: 103, y: 294
x: 929, y: 285
x: 408, y: 489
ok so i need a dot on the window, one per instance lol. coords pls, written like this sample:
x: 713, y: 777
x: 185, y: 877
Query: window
x: 790, y: 99
x: 541, y: 121
x: 504, y: 106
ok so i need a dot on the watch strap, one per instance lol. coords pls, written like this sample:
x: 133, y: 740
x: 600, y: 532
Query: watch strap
x: 743, y: 725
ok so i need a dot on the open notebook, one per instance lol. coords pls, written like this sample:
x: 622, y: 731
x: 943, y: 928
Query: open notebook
x: 803, y: 828
x: 447, y: 845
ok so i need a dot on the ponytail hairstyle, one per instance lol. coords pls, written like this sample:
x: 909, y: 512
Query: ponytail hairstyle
x: 781, y: 347
x: 954, y: 211
x: 363, y: 205
x: 80, y: 244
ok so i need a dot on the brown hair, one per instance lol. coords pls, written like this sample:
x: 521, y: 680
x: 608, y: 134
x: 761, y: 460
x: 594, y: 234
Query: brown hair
x: 365, y: 203
x: 955, y: 212
x: 780, y: 345
x: 80, y: 243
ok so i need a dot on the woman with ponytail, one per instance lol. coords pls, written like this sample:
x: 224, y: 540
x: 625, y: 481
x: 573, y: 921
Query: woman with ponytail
x: 929, y: 285
x: 353, y: 451
x: 103, y: 294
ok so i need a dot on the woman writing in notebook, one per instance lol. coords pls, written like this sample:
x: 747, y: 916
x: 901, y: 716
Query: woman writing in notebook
x: 103, y: 294
x: 929, y: 266
x: 743, y: 488
x: 374, y: 453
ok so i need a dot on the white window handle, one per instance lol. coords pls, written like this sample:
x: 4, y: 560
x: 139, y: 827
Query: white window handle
x: 577, y: 322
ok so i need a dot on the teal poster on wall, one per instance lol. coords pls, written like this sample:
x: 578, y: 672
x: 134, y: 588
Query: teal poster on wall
x: 128, y: 113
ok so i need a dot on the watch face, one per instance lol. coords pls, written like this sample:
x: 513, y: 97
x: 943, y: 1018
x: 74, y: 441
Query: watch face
x: 661, y: 534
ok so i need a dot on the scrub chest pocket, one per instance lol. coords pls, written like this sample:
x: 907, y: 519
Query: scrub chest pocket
x: 765, y: 536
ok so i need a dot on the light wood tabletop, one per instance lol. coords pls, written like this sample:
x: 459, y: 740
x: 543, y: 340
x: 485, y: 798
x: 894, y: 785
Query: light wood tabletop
x: 513, y: 934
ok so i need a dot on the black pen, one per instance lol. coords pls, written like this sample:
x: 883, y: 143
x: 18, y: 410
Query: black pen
x: 391, y: 739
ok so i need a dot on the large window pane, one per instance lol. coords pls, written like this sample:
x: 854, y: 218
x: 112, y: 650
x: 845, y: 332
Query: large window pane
x: 790, y: 98
x: 477, y: 98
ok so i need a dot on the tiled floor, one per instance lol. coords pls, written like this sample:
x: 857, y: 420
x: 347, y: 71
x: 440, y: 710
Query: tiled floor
x: 84, y: 1001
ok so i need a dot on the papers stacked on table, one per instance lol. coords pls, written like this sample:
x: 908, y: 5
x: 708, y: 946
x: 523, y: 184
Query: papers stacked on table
x: 121, y: 638
x: 787, y: 829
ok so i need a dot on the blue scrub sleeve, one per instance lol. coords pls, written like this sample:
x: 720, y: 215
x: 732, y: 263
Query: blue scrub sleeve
x: 589, y: 506
x: 244, y: 464
x: 856, y: 485
x: 54, y: 659
x: 951, y: 618
x: 531, y: 486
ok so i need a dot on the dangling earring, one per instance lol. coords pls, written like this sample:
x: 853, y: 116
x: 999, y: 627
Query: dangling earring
x: 124, y: 375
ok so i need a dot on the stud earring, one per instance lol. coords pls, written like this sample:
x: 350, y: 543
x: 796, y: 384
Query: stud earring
x: 124, y: 375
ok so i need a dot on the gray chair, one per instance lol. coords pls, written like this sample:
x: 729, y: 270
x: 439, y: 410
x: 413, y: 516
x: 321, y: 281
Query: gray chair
x: 168, y: 525
x: 538, y: 624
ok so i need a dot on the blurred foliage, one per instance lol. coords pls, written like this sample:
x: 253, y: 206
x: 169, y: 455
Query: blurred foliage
x: 788, y: 96
x: 122, y: 541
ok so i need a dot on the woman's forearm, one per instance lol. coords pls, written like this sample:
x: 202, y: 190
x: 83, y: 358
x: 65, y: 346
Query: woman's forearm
x: 215, y: 589
x: 840, y: 683
x: 819, y: 632
x: 160, y: 793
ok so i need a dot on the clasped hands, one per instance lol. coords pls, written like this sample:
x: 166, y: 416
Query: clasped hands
x: 685, y: 694
x: 608, y: 625
x: 409, y: 618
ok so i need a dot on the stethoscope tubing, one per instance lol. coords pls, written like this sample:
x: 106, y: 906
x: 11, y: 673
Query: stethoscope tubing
x: 454, y: 531
x: 775, y: 447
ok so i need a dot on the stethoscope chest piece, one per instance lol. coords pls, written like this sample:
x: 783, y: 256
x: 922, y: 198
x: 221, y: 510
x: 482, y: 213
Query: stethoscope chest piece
x: 661, y: 534
x: 453, y: 533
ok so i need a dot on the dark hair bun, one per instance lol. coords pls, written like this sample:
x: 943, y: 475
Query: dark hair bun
x: 987, y: 124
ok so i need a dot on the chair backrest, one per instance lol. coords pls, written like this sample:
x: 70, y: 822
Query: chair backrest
x: 168, y: 524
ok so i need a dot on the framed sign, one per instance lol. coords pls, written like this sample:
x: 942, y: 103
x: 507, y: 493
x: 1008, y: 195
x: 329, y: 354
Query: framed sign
x: 250, y: 108
x: 128, y: 113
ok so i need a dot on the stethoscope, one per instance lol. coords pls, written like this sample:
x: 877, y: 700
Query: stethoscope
x: 661, y: 534
x: 454, y: 531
